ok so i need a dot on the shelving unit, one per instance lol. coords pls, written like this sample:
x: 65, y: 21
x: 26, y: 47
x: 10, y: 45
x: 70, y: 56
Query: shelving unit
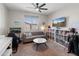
x: 50, y: 34
x: 60, y: 36
x: 6, y: 46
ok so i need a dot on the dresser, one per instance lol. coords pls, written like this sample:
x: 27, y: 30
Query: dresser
x: 5, y: 46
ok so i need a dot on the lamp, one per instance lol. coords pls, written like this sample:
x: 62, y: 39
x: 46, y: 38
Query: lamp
x: 49, y: 32
x: 42, y: 28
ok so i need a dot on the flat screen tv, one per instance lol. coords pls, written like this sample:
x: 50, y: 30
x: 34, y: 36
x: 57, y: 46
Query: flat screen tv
x: 59, y: 22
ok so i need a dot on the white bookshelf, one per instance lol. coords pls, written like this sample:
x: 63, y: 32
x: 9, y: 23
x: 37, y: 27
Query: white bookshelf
x: 5, y: 42
x: 60, y: 35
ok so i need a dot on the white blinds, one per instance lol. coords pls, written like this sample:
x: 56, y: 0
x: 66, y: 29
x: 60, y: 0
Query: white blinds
x: 31, y: 23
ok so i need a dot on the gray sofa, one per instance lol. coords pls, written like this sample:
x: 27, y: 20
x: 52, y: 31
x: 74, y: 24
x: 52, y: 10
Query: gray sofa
x: 29, y: 36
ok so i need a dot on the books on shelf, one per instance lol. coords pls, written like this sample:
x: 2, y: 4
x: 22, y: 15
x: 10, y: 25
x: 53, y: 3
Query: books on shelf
x: 60, y: 35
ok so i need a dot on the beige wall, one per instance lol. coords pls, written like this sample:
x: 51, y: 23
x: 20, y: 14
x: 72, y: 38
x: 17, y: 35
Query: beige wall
x: 20, y: 15
x: 71, y: 12
x: 3, y: 19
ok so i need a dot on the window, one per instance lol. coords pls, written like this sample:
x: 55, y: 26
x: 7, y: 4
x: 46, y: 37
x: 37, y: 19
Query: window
x: 31, y: 23
x: 31, y: 19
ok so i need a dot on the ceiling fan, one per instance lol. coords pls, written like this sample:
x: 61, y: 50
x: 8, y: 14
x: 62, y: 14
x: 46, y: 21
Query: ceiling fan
x: 39, y: 7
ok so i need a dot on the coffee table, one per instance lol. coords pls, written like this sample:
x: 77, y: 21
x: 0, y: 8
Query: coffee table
x: 40, y: 41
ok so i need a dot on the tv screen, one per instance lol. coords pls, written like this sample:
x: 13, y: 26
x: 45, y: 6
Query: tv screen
x: 59, y: 22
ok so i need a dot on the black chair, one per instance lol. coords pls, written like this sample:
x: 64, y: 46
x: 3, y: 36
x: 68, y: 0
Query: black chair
x: 14, y: 41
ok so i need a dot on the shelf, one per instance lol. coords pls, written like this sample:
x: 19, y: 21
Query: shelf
x: 60, y: 36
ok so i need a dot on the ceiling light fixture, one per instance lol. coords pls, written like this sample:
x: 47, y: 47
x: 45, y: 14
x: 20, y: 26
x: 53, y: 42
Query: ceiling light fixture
x: 37, y: 9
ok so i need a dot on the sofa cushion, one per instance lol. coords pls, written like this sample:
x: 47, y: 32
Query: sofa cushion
x: 32, y: 35
x: 37, y: 36
x: 28, y: 34
x: 37, y: 33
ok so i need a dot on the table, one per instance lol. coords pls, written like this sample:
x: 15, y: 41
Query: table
x: 40, y: 41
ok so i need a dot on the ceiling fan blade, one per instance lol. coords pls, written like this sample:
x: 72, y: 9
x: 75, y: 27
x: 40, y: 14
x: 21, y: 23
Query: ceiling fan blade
x: 37, y: 5
x: 43, y: 8
x: 42, y: 5
x: 39, y: 10
x: 34, y: 5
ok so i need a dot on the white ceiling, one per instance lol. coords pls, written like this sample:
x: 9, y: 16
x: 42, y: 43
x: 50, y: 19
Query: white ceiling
x: 28, y: 7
